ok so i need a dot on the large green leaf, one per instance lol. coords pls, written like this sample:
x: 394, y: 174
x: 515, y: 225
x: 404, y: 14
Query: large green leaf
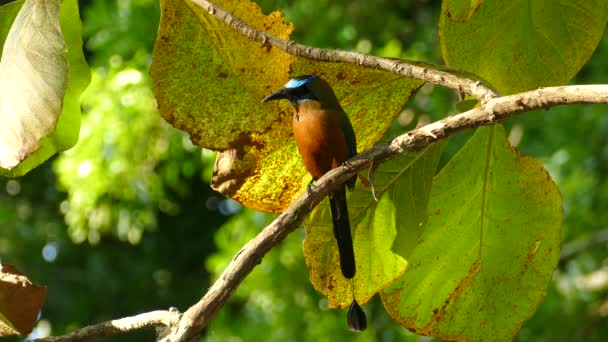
x: 403, y: 186
x: 520, y: 45
x: 483, y: 261
x: 42, y: 74
x: 209, y: 81
x: 507, y: 201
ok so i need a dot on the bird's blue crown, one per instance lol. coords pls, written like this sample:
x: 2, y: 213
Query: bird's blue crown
x: 299, y: 81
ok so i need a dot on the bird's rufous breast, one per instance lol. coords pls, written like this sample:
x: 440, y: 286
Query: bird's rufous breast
x: 318, y: 133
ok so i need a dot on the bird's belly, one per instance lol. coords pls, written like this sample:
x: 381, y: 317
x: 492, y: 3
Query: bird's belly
x: 321, y: 143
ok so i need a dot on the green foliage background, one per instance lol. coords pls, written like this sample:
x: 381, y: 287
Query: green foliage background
x: 125, y: 222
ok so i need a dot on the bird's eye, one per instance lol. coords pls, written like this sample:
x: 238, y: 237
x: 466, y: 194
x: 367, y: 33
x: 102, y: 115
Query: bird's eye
x: 300, y: 92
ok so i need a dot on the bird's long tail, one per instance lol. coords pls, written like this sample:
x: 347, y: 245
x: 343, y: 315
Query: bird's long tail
x: 339, y: 214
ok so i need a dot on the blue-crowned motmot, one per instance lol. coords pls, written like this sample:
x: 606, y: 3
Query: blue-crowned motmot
x: 326, y: 139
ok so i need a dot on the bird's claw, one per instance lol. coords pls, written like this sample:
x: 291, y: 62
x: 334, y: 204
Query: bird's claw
x: 309, y: 187
x: 347, y: 164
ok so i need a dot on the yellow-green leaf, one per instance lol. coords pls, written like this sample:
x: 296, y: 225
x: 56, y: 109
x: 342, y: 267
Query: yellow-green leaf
x: 483, y: 261
x: 520, y: 45
x: 42, y: 74
x: 209, y: 81
x: 403, y: 186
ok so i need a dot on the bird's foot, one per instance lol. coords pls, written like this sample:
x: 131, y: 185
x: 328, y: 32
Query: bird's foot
x: 309, y: 187
x: 347, y: 164
x: 350, y: 184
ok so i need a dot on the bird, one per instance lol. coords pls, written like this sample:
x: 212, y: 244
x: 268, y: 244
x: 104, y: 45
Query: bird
x: 326, y: 140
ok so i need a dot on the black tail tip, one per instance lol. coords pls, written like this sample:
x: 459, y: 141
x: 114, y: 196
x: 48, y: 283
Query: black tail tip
x: 348, y: 269
x: 355, y: 317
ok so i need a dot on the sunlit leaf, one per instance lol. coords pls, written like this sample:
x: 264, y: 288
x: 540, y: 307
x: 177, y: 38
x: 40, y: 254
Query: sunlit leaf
x: 521, y: 45
x: 209, y: 81
x: 403, y: 186
x: 464, y: 105
x: 20, y: 302
x: 33, y: 79
x: 483, y: 261
x: 8, y: 13
x: 42, y: 74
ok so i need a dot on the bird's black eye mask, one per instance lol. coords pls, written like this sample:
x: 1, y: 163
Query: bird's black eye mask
x: 296, y: 91
x: 299, y: 94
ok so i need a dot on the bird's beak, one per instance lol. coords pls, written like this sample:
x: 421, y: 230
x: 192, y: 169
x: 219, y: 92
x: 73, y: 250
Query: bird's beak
x: 277, y: 95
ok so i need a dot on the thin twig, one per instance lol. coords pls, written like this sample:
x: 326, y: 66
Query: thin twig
x: 496, y: 110
x: 432, y: 74
x: 160, y: 318
x: 371, y: 175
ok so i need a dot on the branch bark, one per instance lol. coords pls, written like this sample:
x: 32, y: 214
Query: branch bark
x: 421, y: 71
x: 161, y: 318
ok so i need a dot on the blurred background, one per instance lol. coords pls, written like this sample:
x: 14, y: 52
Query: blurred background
x: 125, y: 222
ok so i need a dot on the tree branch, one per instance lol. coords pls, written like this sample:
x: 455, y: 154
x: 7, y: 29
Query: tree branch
x: 496, y: 110
x: 427, y: 73
x: 160, y: 318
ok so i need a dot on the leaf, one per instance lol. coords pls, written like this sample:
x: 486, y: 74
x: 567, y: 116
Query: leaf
x: 209, y: 81
x: 465, y: 105
x: 521, y: 45
x: 33, y: 79
x: 8, y: 13
x: 20, y: 302
x: 42, y: 74
x: 403, y: 185
x: 484, y: 259
x: 512, y: 206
